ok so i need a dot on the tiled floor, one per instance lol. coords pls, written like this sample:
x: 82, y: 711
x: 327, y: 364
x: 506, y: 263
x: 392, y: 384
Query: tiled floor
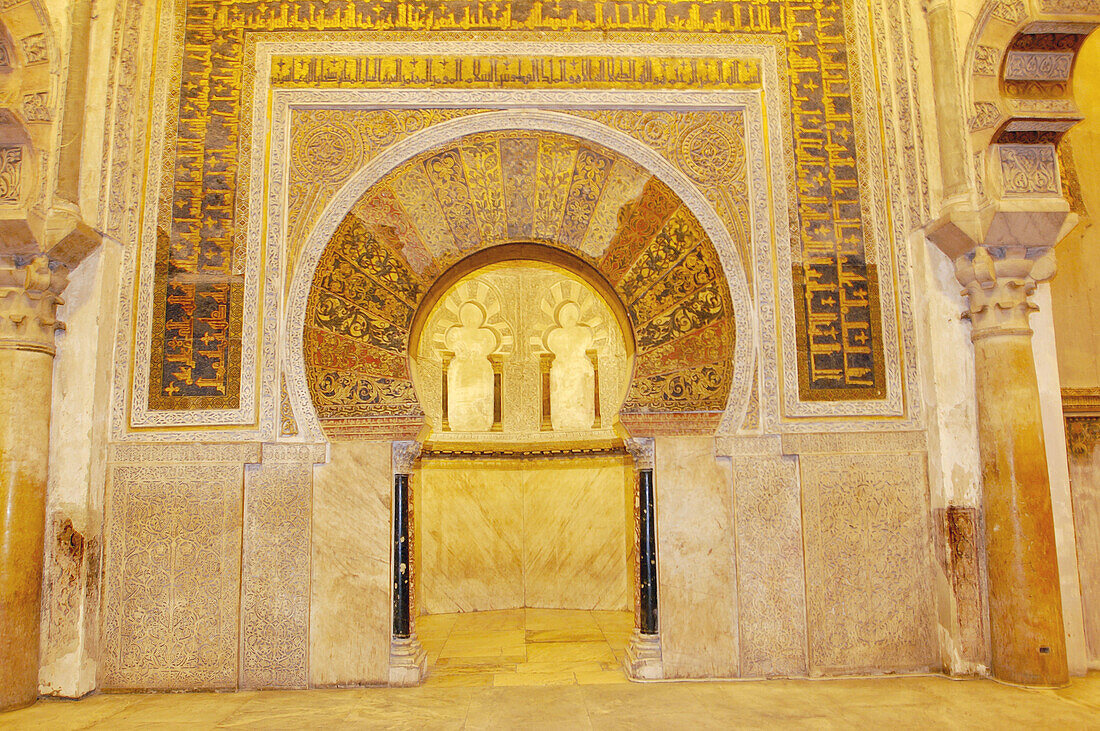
x: 572, y: 660
x: 525, y: 647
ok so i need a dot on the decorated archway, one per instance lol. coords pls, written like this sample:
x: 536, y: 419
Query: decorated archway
x: 505, y: 179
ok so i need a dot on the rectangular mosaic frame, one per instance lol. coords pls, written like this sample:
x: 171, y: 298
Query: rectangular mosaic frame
x: 782, y: 407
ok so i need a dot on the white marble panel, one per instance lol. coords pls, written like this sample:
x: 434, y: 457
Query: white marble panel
x: 350, y: 601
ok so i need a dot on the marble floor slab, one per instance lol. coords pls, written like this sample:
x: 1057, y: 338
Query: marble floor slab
x: 913, y: 702
x: 525, y: 647
x: 894, y: 702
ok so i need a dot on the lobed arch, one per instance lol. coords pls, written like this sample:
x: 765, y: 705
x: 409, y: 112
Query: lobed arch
x: 29, y: 62
x: 519, y: 252
x: 1018, y: 74
x: 687, y: 385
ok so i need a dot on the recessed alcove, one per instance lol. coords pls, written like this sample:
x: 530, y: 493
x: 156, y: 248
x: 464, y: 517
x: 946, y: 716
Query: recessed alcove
x: 523, y: 502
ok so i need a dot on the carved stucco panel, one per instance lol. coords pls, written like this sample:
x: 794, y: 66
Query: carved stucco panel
x: 275, y: 575
x: 868, y: 571
x: 771, y: 586
x: 172, y: 576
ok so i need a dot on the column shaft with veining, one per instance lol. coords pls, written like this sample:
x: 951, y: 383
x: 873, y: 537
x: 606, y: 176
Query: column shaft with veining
x: 1025, y: 602
x: 28, y: 305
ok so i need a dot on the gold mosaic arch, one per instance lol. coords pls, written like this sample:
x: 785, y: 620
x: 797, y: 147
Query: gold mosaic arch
x: 492, y: 189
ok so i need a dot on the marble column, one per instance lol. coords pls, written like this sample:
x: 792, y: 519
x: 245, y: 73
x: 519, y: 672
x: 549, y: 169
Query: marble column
x: 1025, y: 604
x: 408, y: 661
x: 647, y: 555
x: 402, y: 622
x: 643, y: 654
x: 28, y: 306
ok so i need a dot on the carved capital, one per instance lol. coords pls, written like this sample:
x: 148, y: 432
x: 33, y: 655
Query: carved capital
x: 642, y: 452
x: 30, y: 292
x: 999, y: 283
x: 405, y: 455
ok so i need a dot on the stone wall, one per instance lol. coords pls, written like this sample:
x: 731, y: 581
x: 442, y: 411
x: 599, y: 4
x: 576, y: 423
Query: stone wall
x: 245, y: 566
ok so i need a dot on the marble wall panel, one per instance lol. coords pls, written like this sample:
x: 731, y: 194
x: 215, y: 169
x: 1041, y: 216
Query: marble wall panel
x: 350, y: 601
x: 500, y: 534
x: 275, y: 574
x: 173, y: 566
x: 697, y: 599
x: 575, y: 538
x: 868, y: 565
x: 959, y: 549
x: 771, y: 585
x: 1084, y: 464
x: 469, y: 535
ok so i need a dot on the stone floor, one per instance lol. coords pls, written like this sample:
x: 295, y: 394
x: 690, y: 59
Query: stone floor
x: 568, y: 663
x: 525, y: 647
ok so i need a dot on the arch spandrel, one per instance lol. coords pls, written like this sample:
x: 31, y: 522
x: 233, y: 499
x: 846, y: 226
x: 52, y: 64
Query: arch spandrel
x: 489, y: 189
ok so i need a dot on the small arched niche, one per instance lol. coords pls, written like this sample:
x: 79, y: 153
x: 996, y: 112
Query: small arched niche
x: 521, y: 346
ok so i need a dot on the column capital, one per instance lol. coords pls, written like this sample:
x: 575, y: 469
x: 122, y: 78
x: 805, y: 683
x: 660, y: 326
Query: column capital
x: 30, y: 291
x: 641, y: 449
x: 405, y: 454
x: 998, y: 283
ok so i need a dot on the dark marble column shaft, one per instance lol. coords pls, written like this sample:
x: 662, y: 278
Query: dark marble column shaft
x: 402, y: 623
x: 647, y: 554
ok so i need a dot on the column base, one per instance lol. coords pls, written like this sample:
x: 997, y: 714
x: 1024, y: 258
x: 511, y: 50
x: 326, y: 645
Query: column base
x: 408, y: 662
x: 643, y: 657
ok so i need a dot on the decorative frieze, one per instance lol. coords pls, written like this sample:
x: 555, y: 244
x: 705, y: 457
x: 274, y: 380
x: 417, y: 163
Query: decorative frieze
x: 1029, y: 170
x: 1070, y: 6
x: 1038, y: 65
x: 34, y: 49
x: 11, y: 174
x: 1081, y: 401
x: 1010, y: 11
x: 985, y: 61
x: 36, y: 107
x: 986, y: 116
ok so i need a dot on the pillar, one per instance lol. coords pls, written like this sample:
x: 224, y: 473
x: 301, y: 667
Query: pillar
x: 643, y: 654
x: 408, y: 661
x: 1025, y: 603
x: 950, y: 120
x: 28, y: 305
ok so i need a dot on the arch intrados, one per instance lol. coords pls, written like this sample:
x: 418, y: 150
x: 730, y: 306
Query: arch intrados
x: 520, y: 252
